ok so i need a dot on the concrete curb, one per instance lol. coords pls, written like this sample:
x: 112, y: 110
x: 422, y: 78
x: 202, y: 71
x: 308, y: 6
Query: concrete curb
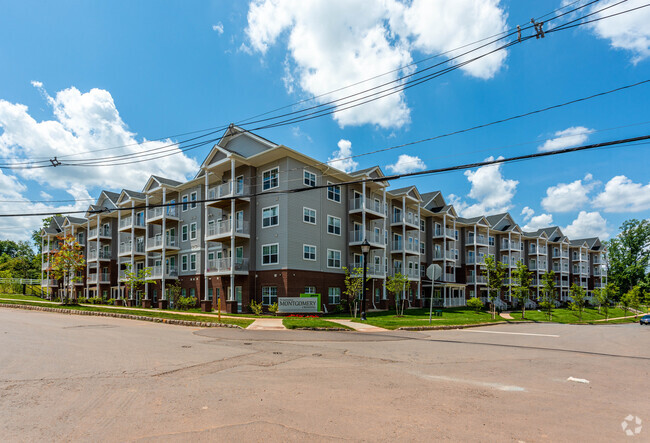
x: 474, y: 325
x: 321, y: 329
x: 125, y: 316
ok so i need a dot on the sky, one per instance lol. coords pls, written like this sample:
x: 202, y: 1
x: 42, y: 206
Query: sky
x: 82, y: 80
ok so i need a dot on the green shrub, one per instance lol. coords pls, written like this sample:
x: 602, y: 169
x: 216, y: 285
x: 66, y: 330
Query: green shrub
x: 256, y: 307
x: 185, y: 303
x: 475, y: 303
x: 273, y: 309
x: 109, y: 301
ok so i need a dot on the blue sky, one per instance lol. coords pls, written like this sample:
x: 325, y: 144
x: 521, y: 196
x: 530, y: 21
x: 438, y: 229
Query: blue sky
x: 80, y: 76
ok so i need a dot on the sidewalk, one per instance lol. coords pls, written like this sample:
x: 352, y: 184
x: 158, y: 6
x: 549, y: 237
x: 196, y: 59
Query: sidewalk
x: 361, y: 327
x: 267, y: 324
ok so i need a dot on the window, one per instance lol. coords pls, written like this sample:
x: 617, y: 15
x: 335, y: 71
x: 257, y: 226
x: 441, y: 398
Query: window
x: 357, y: 261
x: 334, y: 192
x: 193, y: 262
x: 80, y: 238
x: 333, y: 258
x: 270, y: 216
x: 184, y: 232
x: 422, y: 225
x: 334, y: 296
x: 193, y: 231
x: 309, y: 215
x: 210, y: 255
x: 192, y: 292
x: 309, y: 252
x: 193, y: 199
x: 184, y: 200
x: 309, y: 178
x: 183, y: 292
x: 183, y: 262
x: 310, y: 289
x: 269, y: 295
x: 333, y: 225
x: 422, y: 248
x: 271, y: 179
x: 270, y: 254
x: 491, y: 241
x: 210, y: 294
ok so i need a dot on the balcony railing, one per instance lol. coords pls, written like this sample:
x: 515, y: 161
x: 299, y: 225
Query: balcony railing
x: 398, y: 246
x: 171, y: 241
x: 372, y: 205
x: 472, y: 259
x: 128, y: 222
x: 374, y: 238
x: 228, y: 189
x: 223, y: 227
x: 104, y: 232
x: 511, y: 245
x: 476, y: 279
x: 440, y: 254
x: 50, y: 248
x: 49, y: 283
x: 534, y: 250
x: 101, y: 277
x: 170, y: 271
x: 447, y: 232
x: 480, y: 240
x: 154, y: 213
x: 104, y: 254
x: 225, y: 265
x: 126, y: 248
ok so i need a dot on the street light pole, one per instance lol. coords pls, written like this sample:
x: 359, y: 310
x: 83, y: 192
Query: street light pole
x: 365, y: 248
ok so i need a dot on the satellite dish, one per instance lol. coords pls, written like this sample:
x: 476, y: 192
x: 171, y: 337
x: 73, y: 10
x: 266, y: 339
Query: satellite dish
x: 434, y: 272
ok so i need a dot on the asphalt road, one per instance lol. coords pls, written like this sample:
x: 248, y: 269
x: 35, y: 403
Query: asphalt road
x: 73, y: 378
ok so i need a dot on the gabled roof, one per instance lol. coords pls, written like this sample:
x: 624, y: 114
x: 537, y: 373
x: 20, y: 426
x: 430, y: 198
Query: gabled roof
x: 446, y: 209
x: 553, y: 233
x: 579, y: 242
x: 366, y: 171
x: 160, y: 182
x: 75, y: 220
x: 409, y: 191
x: 127, y: 194
x: 592, y: 242
x: 113, y: 196
x: 49, y: 230
x: 496, y: 218
x: 473, y: 220
x: 535, y: 234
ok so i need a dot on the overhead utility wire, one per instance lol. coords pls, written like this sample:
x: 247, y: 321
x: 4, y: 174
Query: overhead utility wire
x: 352, y: 182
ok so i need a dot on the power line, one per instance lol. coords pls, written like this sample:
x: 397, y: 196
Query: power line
x: 366, y: 180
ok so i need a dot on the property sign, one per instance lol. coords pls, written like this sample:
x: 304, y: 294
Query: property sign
x: 297, y: 305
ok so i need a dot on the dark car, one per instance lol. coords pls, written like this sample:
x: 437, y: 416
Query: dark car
x: 645, y: 320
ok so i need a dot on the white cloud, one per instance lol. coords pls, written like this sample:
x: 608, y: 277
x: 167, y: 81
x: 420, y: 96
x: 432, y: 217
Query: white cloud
x: 37, y: 84
x: 538, y: 222
x: 335, y: 43
x: 83, y: 122
x: 218, y: 28
x: 629, y: 31
x: 45, y: 196
x: 588, y: 224
x: 623, y: 195
x: 340, y: 158
x: 493, y: 192
x: 405, y: 164
x: 567, y: 197
x: 527, y: 213
x: 573, y: 136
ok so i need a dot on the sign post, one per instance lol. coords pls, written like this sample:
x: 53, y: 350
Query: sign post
x: 434, y: 272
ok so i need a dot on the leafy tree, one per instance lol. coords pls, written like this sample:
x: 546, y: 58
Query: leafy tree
x: 135, y: 279
x: 522, y: 277
x: 579, y: 298
x: 495, y: 272
x: 475, y: 303
x: 549, y: 293
x: 353, y: 288
x: 631, y: 299
x: 175, y: 291
x: 628, y: 254
x: 66, y: 262
x: 604, y: 297
x: 396, y: 285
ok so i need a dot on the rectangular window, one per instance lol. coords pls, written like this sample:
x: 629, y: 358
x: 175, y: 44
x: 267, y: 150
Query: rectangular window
x: 270, y: 216
x: 333, y: 225
x: 193, y: 196
x: 193, y: 231
x: 183, y: 262
x: 269, y: 295
x: 193, y: 262
x: 310, y: 289
x: 421, y: 225
x: 271, y: 179
x: 192, y: 292
x: 334, y: 296
x: 309, y: 252
x: 184, y: 200
x: 333, y: 258
x: 309, y: 215
x: 184, y: 232
x: 210, y: 255
x: 491, y: 241
x: 210, y: 294
x: 309, y: 178
x: 270, y: 254
x: 183, y: 292
x: 334, y: 192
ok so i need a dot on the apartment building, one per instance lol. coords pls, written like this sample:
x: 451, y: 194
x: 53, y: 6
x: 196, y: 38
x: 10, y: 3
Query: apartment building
x: 261, y: 221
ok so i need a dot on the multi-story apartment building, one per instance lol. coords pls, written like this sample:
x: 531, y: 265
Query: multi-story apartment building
x: 261, y: 221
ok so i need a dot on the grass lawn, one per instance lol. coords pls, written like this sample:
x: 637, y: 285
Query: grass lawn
x: 162, y: 314
x: 420, y: 317
x: 298, y: 322
x: 568, y: 316
x: 21, y: 297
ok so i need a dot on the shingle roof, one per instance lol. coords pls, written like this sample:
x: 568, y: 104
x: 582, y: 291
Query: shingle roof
x: 470, y: 220
x: 167, y: 181
x: 112, y: 195
x: 363, y: 171
x: 495, y: 218
x: 77, y: 220
x: 135, y: 194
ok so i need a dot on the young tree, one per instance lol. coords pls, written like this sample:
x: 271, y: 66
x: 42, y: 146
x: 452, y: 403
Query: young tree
x: 67, y: 261
x: 522, y: 277
x: 495, y: 272
x: 353, y: 288
x: 396, y: 285
x: 175, y: 291
x: 135, y: 279
x: 549, y: 293
x: 604, y: 297
x: 579, y: 298
x: 631, y: 299
x: 475, y: 303
x: 628, y: 254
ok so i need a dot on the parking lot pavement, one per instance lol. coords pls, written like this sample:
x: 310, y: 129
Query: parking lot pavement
x: 72, y: 378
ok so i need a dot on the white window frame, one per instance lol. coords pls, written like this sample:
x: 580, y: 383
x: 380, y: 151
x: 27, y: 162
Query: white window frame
x: 307, y: 178
x: 305, y: 208
x: 277, y: 245
x: 328, y: 259
x: 193, y: 262
x: 270, y: 293
x: 333, y: 295
x: 334, y: 186
x: 193, y: 197
x: 334, y: 226
x: 185, y: 233
x: 185, y: 203
x: 193, y: 231
x: 310, y: 290
x: 304, y: 252
x: 277, y: 215
x: 264, y: 188
x: 184, y: 263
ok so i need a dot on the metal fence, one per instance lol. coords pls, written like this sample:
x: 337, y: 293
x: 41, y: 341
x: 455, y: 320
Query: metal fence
x: 29, y: 286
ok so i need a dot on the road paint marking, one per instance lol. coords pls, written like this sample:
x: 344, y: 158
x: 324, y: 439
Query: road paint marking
x: 510, y: 333
x: 578, y: 380
x: 498, y: 386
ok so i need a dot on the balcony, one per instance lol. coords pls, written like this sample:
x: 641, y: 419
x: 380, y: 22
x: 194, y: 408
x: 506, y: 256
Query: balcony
x: 45, y: 265
x: 481, y: 279
x: 375, y: 239
x: 480, y: 240
x: 411, y: 273
x: 473, y: 260
x: 127, y: 247
x: 442, y: 233
x: 127, y: 223
x: 101, y: 233
x: 155, y: 215
x: 156, y: 243
x: 170, y: 272
x: 101, y: 278
x: 410, y: 220
x: 373, y: 206
x: 53, y: 248
x: 222, y: 229
x: 533, y: 250
x: 51, y: 283
x: 224, y: 266
x: 408, y: 247
x: 448, y: 277
x: 104, y: 254
x: 226, y: 192
x: 444, y: 255
x: 510, y: 245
